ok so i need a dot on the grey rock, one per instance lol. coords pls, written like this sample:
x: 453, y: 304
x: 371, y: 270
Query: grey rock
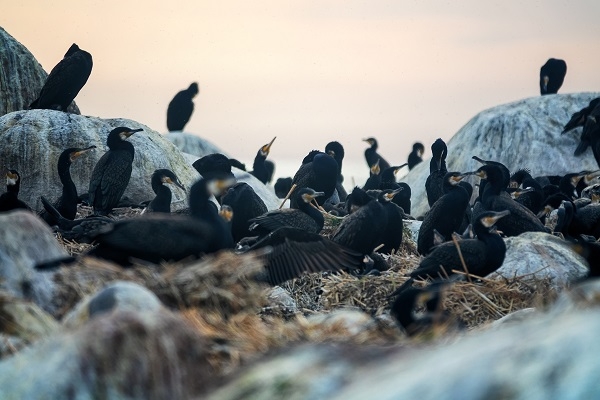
x: 280, y: 298
x: 585, y: 294
x: 21, y: 76
x: 515, y: 134
x: 544, y: 357
x: 192, y: 144
x: 31, y: 142
x: 117, y: 296
x: 540, y: 255
x: 413, y: 227
x: 25, y: 241
x: 513, y: 318
x: 122, y: 355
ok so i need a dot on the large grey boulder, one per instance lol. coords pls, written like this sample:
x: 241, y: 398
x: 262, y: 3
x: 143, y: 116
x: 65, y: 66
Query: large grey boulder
x: 523, y: 134
x: 25, y: 241
x: 31, y: 142
x: 21, y: 76
x: 192, y: 144
x: 122, y: 355
x: 547, y: 356
x: 537, y: 255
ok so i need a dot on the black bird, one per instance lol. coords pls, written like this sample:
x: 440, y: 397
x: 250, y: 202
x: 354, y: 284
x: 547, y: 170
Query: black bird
x: 80, y: 230
x: 591, y: 252
x: 403, y: 308
x: 67, y: 202
x: 214, y: 166
x: 246, y: 205
x: 416, y: 155
x: 447, y: 213
x: 158, y: 237
x: 305, y: 217
x: 437, y: 170
x: 181, y: 108
x: 495, y: 198
x: 363, y: 230
x: 388, y: 181
x: 237, y: 164
x: 580, y: 117
x: 112, y: 171
x: 65, y: 80
x: 372, y: 156
x: 318, y: 171
x: 336, y: 150
x: 282, y: 187
x: 482, y: 256
x: 356, y: 199
x: 162, y: 201
x: 259, y: 168
x: 394, y: 226
x: 374, y: 180
x: 552, y: 75
x: 295, y: 252
x: 10, y: 199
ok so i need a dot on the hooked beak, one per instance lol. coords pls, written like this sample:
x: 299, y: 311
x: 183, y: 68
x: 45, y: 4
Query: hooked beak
x: 390, y: 196
x: 76, y: 154
x: 267, y: 147
x: 131, y: 132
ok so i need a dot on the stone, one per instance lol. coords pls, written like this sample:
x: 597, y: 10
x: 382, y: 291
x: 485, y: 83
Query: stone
x: 192, y: 144
x: 278, y: 297
x: 117, y: 296
x: 31, y: 142
x: 411, y: 229
x: 585, y: 294
x: 25, y: 241
x: 21, y: 76
x: 522, y: 134
x: 538, y: 255
x: 514, y: 318
x: 121, y: 355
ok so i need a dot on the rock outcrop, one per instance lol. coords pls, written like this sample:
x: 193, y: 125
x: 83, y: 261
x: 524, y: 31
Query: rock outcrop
x: 21, y: 76
x: 192, y: 144
x: 523, y: 134
x: 31, y: 142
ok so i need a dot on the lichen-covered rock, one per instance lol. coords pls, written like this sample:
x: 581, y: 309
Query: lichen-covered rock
x: 117, y: 296
x: 523, y: 134
x: 537, y: 255
x: 193, y: 144
x: 21, y: 76
x: 119, y: 355
x: 25, y: 241
x: 31, y: 142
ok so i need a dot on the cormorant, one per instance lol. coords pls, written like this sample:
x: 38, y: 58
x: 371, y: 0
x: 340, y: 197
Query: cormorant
x: 305, y: 217
x: 362, y: 230
x: 162, y: 200
x: 579, y: 118
x: 282, y: 187
x: 66, y: 204
x: 482, y: 256
x: 552, y: 75
x: 319, y: 171
x: 65, y: 80
x: 394, y: 226
x: 409, y: 299
x: 372, y: 156
x: 388, y: 181
x: 259, y: 168
x: 447, y: 213
x: 10, y: 199
x: 495, y: 198
x: 591, y: 252
x: 214, y: 166
x: 237, y: 164
x: 158, y: 237
x: 437, y: 170
x: 416, y: 155
x: 336, y: 150
x: 80, y: 230
x: 356, y: 199
x: 246, y: 204
x: 112, y: 171
x: 181, y: 108
x: 374, y: 180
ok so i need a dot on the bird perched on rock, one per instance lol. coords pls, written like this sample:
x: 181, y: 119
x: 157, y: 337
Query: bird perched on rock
x: 578, y: 118
x: 181, y: 108
x: 159, y: 181
x: 416, y: 155
x: 260, y: 168
x: 65, y: 80
x: 336, y: 150
x: 371, y: 154
x: 10, y: 199
x: 552, y: 75
x: 437, y: 170
x: 318, y: 171
x: 112, y: 172
x: 66, y: 204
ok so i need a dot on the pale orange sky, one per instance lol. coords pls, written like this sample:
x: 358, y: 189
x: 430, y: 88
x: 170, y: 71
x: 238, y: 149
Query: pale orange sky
x: 313, y: 71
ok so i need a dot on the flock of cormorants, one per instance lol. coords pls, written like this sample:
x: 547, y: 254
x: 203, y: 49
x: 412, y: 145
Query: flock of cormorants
x: 289, y: 239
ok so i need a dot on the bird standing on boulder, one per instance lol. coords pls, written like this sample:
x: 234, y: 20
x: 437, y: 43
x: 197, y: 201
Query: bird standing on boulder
x: 552, y: 75
x: 372, y: 156
x: 10, y: 199
x: 112, y: 171
x: 181, y: 108
x: 65, y: 80
x: 416, y: 155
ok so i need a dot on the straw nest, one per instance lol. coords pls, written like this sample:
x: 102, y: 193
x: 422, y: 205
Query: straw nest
x: 220, y: 298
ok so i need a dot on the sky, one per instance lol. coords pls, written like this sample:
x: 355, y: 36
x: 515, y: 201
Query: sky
x: 313, y: 71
